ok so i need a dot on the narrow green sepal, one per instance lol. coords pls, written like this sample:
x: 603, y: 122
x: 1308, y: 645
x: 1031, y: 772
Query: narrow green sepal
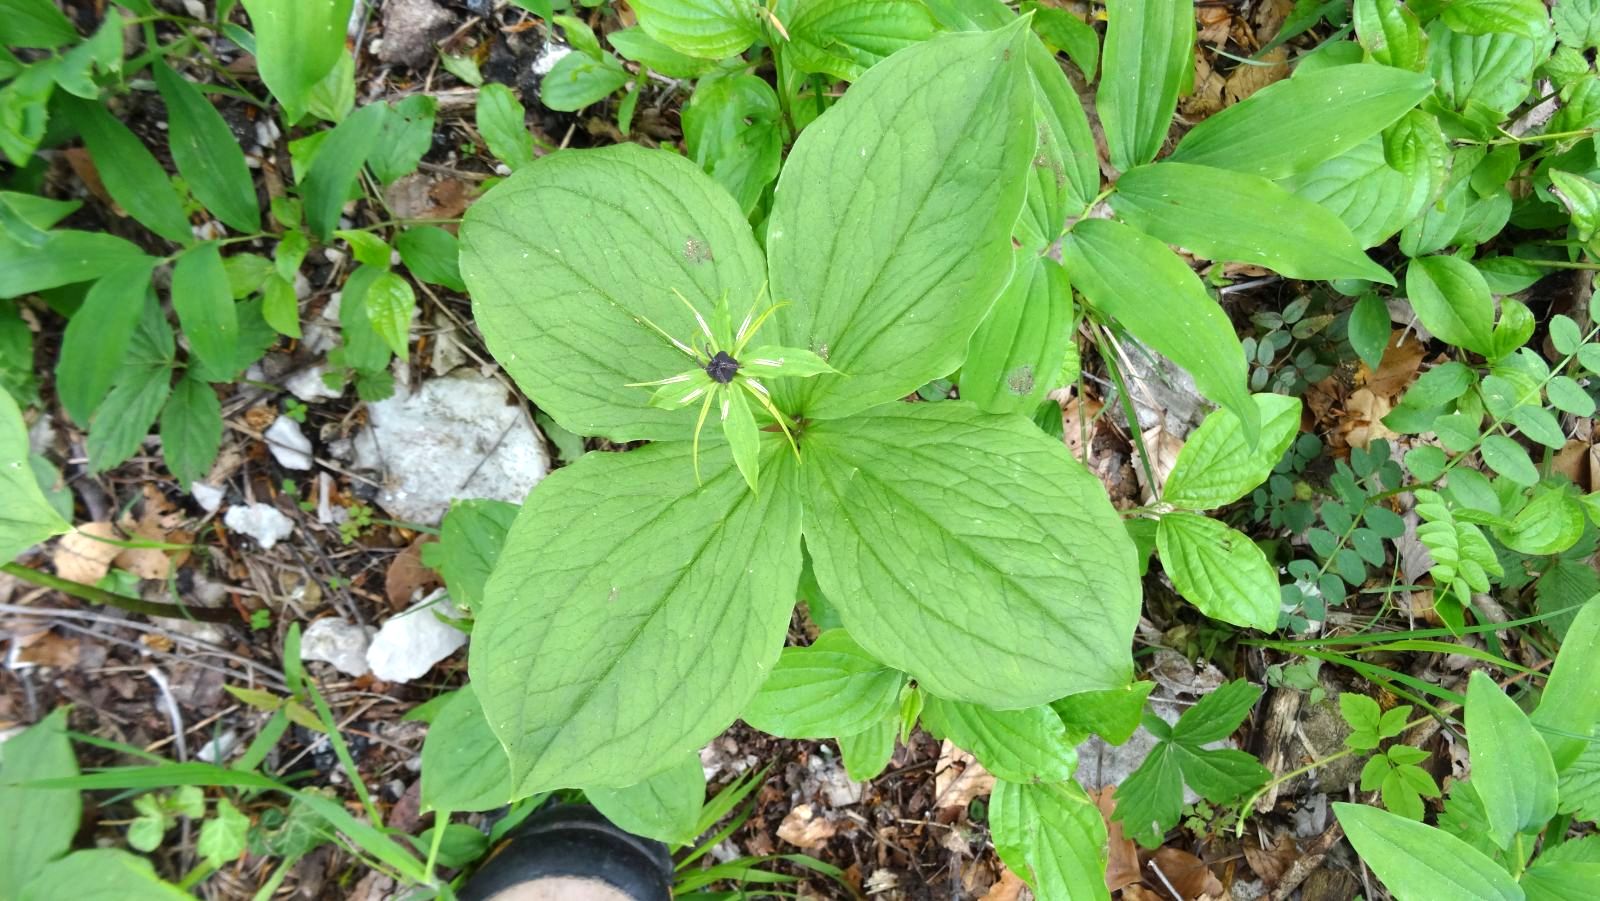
x: 739, y: 425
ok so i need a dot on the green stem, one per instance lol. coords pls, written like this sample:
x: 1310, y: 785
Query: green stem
x: 111, y: 599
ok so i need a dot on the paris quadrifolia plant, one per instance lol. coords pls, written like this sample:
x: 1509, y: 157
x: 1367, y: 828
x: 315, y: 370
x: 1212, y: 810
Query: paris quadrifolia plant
x: 724, y: 373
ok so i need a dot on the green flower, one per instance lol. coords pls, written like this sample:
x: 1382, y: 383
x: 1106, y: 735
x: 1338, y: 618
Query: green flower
x: 727, y: 375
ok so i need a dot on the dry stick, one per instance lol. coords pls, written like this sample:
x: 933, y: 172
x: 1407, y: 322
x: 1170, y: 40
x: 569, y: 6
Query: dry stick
x: 111, y: 599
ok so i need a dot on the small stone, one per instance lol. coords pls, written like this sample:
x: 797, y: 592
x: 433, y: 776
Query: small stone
x: 218, y: 749
x: 309, y: 386
x: 289, y: 446
x: 209, y: 497
x: 341, y: 644
x: 262, y: 522
x: 409, y: 644
x: 458, y: 436
x: 410, y: 29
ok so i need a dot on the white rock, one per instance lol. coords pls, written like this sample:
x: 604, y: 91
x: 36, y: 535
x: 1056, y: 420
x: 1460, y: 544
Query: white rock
x: 339, y: 643
x: 410, y: 644
x: 307, y: 384
x: 289, y: 446
x: 262, y: 522
x: 458, y: 436
x: 548, y: 56
x: 218, y: 749
x: 209, y: 497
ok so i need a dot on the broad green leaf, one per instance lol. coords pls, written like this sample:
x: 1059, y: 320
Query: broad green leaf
x: 960, y: 582
x: 1392, y: 33
x: 1549, y: 880
x: 1220, y: 776
x: 1297, y: 123
x: 1064, y: 32
x: 35, y: 24
x: 1217, y: 715
x: 470, y: 540
x: 26, y: 517
x: 1134, y: 278
x: 1218, y: 569
x: 831, y: 688
x: 406, y: 136
x: 1370, y: 329
x: 191, y: 430
x: 844, y: 38
x: 206, y: 153
x: 204, y: 303
x: 867, y: 753
x: 1492, y: 72
x: 65, y: 258
x: 1453, y: 302
x: 1511, y: 766
x: 1015, y: 355
x: 101, y: 874
x: 1421, y: 863
x: 565, y: 313
x: 733, y: 128
x: 1052, y: 836
x: 390, y: 305
x: 709, y: 29
x: 1113, y: 714
x: 1217, y: 466
x: 1580, y: 783
x: 40, y: 822
x: 1581, y: 197
x: 335, y: 95
x: 606, y: 651
x: 464, y: 766
x: 1360, y: 186
x: 123, y: 420
x: 432, y: 254
x: 1150, y: 800
x: 97, y: 338
x: 222, y: 837
x: 338, y: 164
x: 634, y: 44
x: 1508, y: 458
x: 1026, y: 746
x: 1238, y: 217
x: 1571, y: 700
x: 502, y: 121
x: 130, y: 173
x: 1577, y: 23
x: 1549, y: 523
x: 1148, y: 59
x: 297, y: 45
x: 1066, y: 169
x: 1524, y: 17
x: 577, y: 80
x: 891, y: 240
x: 665, y: 807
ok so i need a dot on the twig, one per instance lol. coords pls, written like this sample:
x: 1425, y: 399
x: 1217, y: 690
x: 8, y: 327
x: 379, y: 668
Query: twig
x: 111, y: 599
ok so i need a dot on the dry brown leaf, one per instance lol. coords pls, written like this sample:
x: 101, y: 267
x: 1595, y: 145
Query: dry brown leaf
x: 1363, y: 419
x: 959, y: 778
x: 1214, y: 23
x: 1270, y: 862
x: 406, y: 575
x: 1009, y: 888
x: 1140, y: 893
x: 80, y: 556
x: 803, y: 827
x: 1247, y: 79
x: 1207, y: 96
x: 1162, y: 447
x: 1397, y: 369
x: 1187, y: 873
x: 1573, y: 461
x: 46, y: 648
x: 158, y: 521
x: 1122, y: 862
